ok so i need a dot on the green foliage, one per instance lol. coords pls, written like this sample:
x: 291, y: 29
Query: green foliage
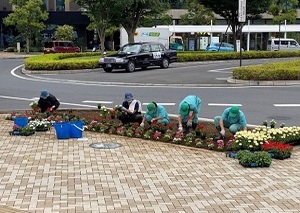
x: 197, y: 15
x: 284, y: 10
x: 28, y: 18
x: 56, y: 62
x: 134, y: 12
x: 260, y: 158
x: 103, y: 15
x: 270, y: 71
x: 64, y: 32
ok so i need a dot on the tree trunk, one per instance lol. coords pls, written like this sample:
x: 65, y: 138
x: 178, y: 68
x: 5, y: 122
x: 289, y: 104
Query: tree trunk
x: 130, y: 32
x: 27, y: 43
x: 101, y: 34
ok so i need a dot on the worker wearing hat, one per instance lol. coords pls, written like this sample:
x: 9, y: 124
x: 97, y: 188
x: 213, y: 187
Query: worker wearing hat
x: 233, y: 119
x: 189, y: 109
x: 47, y: 102
x: 155, y: 113
x: 131, y: 110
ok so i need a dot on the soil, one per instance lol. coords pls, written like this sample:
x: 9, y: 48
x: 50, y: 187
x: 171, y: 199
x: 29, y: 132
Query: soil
x: 208, y: 127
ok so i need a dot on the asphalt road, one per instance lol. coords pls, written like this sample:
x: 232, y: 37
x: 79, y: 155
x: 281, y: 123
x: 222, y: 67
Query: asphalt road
x: 169, y: 86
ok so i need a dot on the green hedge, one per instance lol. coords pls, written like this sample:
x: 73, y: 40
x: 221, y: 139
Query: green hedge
x: 57, y: 62
x: 271, y: 71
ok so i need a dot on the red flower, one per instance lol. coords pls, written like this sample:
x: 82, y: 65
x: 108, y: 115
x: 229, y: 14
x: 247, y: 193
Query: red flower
x: 200, y: 126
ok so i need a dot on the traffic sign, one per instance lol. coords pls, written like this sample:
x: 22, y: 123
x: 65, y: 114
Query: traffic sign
x: 242, y: 10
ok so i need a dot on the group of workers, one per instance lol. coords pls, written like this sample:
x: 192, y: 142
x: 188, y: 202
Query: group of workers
x: 189, y: 108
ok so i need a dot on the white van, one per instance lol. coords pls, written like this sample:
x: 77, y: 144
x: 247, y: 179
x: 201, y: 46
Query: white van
x: 285, y: 44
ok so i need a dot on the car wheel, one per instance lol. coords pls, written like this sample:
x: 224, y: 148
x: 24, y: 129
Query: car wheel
x: 107, y: 69
x: 165, y: 63
x: 144, y: 67
x: 130, y: 66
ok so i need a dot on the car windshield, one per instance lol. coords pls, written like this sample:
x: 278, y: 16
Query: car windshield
x: 130, y: 48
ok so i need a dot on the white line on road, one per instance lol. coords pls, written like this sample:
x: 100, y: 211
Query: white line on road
x: 80, y: 105
x: 221, y: 70
x: 17, y: 98
x: 96, y: 102
x: 287, y: 105
x: 165, y: 104
x: 34, y: 99
x: 216, y: 104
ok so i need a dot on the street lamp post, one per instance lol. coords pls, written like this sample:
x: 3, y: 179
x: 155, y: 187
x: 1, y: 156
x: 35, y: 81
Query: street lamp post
x: 280, y: 32
x: 279, y: 37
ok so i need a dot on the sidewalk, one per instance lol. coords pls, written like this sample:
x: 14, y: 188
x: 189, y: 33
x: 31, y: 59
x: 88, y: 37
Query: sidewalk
x: 40, y: 173
x: 12, y: 55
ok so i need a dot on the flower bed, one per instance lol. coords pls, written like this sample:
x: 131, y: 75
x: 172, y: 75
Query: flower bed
x: 278, y: 150
x: 254, y: 139
x: 104, y: 121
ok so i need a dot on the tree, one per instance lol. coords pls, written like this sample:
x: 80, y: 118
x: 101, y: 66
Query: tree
x: 197, y: 14
x: 102, y: 14
x: 161, y: 19
x: 284, y: 10
x: 65, y: 32
x: 228, y: 9
x: 27, y: 18
x: 132, y: 15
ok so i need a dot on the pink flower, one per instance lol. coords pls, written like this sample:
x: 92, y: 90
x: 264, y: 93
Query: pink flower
x: 156, y: 135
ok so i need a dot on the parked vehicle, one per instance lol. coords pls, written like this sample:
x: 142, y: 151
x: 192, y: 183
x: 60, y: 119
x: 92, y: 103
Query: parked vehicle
x: 221, y: 47
x: 150, y: 34
x: 143, y: 55
x: 60, y: 47
x: 285, y: 44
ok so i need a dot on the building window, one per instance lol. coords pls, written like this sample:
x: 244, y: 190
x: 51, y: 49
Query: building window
x: 60, y: 5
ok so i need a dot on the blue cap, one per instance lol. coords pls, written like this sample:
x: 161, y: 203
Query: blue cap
x: 128, y: 96
x: 44, y: 94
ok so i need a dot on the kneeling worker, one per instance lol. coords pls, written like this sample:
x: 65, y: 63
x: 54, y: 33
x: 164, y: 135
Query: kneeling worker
x: 233, y: 119
x: 155, y: 113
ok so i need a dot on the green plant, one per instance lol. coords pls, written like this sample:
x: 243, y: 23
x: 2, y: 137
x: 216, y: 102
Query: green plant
x: 252, y: 159
x: 272, y: 123
x: 199, y: 142
x: 265, y: 123
x: 27, y: 130
x: 262, y: 158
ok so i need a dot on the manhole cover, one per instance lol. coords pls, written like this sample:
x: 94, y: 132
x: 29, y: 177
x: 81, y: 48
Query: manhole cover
x: 102, y: 145
x: 278, y: 117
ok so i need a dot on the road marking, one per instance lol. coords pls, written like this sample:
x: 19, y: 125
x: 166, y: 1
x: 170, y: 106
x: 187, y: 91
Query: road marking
x: 287, y: 105
x: 80, y: 105
x: 165, y: 104
x: 17, y: 98
x: 100, y: 102
x: 130, y: 85
x: 221, y: 70
x: 216, y: 104
x: 34, y: 99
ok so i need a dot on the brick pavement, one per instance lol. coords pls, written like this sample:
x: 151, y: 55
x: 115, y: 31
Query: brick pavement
x: 40, y: 173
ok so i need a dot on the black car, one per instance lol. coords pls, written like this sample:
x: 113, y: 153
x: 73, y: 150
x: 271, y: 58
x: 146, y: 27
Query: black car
x: 143, y: 55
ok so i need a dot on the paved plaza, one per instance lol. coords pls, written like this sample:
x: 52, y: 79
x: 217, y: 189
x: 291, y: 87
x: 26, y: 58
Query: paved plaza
x: 40, y: 173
